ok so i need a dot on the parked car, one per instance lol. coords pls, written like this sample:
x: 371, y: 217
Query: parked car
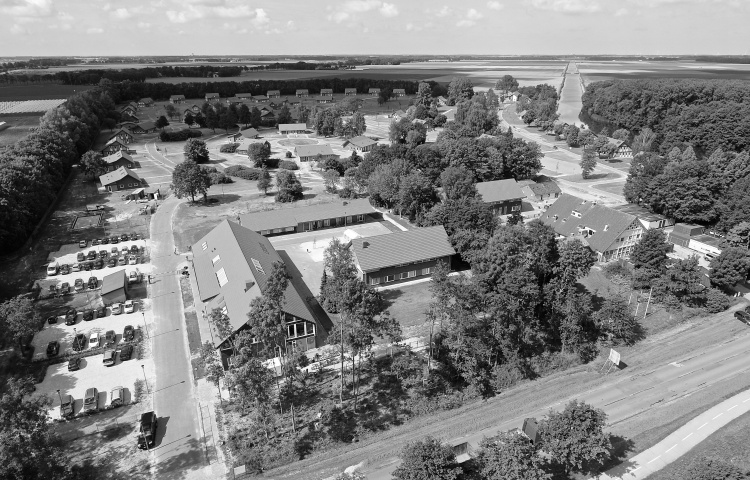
x: 88, y: 315
x: 66, y: 406
x: 124, y: 237
x: 78, y: 285
x: 116, y: 308
x: 102, y: 253
x: 128, y: 333
x: 95, y: 242
x: 110, y: 338
x: 82, y: 244
x: 70, y: 316
x: 104, y: 241
x: 113, y: 252
x: 122, y: 261
x: 64, y: 288
x: 52, y: 319
x: 91, y: 400
x: 94, y: 339
x: 74, y: 363
x: 101, y: 312
x: 117, y: 396
x: 93, y: 283
x: 743, y: 317
x: 134, y: 249
x: 129, y: 306
x: 133, y: 260
x: 133, y: 236
x: 79, y: 342
x: 53, y: 348
x: 747, y: 309
x: 126, y: 352
x: 76, y: 267
x: 98, y: 264
x: 80, y: 256
x: 52, y: 268
x: 64, y: 269
x: 87, y: 266
x: 146, y: 432
x: 114, y: 239
x: 109, y: 358
x: 112, y: 262
x: 133, y: 277
x: 91, y: 255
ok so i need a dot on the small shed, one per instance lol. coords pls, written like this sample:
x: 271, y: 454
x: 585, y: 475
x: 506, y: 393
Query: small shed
x: 114, y: 288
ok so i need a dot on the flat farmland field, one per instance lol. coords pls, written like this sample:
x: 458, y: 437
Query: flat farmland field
x: 598, y: 71
x: 39, y: 92
x: 20, y: 126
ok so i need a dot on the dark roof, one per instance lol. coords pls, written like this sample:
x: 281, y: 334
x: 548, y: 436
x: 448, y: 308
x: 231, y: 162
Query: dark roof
x: 146, y: 100
x: 640, y: 212
x: 113, y: 282
x: 283, y: 127
x: 302, y: 90
x: 362, y: 141
x: 349, y: 90
x: 312, y: 150
x: 145, y: 126
x: 249, y: 133
x: 291, y: 217
x: 260, y: 97
x: 117, y: 175
x: 326, y: 90
x: 273, y: 92
x: 374, y: 90
x: 244, y: 95
x: 321, y: 98
x: 246, y: 259
x: 544, y: 188
x: 499, y: 191
x: 399, y: 90
x: 212, y: 95
x: 114, y: 140
x: 116, y: 156
x: 418, y: 245
x: 177, y: 97
x: 122, y: 130
x: 606, y: 223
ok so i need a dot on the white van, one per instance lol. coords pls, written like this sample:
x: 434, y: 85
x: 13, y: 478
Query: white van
x: 53, y: 268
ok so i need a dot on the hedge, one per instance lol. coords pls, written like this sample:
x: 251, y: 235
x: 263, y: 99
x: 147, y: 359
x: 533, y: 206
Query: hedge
x: 288, y: 165
x: 243, y: 172
x: 229, y: 147
x: 180, y: 135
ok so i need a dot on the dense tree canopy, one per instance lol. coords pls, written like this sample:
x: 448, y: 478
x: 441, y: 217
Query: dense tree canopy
x: 427, y: 459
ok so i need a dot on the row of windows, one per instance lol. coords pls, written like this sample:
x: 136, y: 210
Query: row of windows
x: 400, y: 276
x: 301, y: 329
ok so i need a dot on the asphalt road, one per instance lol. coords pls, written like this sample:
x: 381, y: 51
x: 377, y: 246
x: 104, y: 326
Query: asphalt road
x: 627, y: 396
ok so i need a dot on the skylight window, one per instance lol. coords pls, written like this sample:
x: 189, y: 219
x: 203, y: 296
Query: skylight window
x: 258, y: 266
x: 204, y: 245
x: 216, y: 259
x: 221, y: 275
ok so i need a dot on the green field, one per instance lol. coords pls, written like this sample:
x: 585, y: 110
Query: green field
x: 39, y: 92
x: 598, y: 71
x: 20, y: 126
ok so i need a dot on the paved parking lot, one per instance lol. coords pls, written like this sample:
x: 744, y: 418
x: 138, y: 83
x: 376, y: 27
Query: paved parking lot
x: 93, y: 373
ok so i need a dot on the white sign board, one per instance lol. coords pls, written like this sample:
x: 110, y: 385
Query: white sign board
x: 614, y: 357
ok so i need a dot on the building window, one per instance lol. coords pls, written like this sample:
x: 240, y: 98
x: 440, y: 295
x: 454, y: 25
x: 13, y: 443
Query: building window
x: 204, y: 245
x: 289, y: 229
x: 427, y: 271
x: 327, y: 223
x: 389, y: 278
x: 221, y: 276
x: 276, y: 230
x: 258, y: 266
x: 413, y: 273
x: 374, y: 280
x: 516, y: 208
x: 360, y: 218
x: 224, y: 310
x: 215, y: 260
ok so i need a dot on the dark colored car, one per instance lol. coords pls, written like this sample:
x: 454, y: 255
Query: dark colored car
x: 124, y: 237
x: 95, y: 242
x: 82, y: 244
x: 133, y: 236
x: 74, y: 364
x: 93, y: 283
x: 101, y: 312
x: 88, y: 315
x: 147, y: 430
x: 747, y: 309
x: 91, y: 255
x: 98, y: 264
x: 64, y: 269
x: 110, y: 338
x: 78, y: 285
x: 64, y: 288
x: 88, y: 266
x: 70, y: 316
x: 743, y: 317
x: 134, y: 249
x: 66, y: 407
x: 80, y: 256
x: 53, y: 348
x: 52, y: 319
x: 122, y: 261
x: 126, y: 352
x: 112, y: 262
x: 128, y: 334
x: 80, y: 342
x: 104, y: 241
x: 114, y: 239
x: 102, y: 254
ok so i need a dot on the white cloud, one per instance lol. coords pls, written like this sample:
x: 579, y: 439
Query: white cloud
x: 388, y: 10
x: 621, y: 12
x: 261, y: 18
x: 338, y: 17
x: 94, y: 30
x: 443, y: 12
x: 470, y: 19
x: 198, y: 9
x: 360, y: 6
x: 492, y: 5
x: 144, y: 25
x: 567, y: 6
x: 290, y: 25
x: 18, y: 30
x: 122, y: 13
x: 472, y: 14
x: 26, y: 8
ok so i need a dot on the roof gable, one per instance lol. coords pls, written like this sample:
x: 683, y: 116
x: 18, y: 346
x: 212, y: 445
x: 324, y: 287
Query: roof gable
x: 418, y: 245
x: 117, y: 156
x: 117, y: 175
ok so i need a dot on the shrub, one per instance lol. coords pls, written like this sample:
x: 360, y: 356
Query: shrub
x: 347, y: 192
x: 288, y: 154
x: 716, y: 300
x: 288, y: 164
x: 138, y: 388
x: 216, y: 176
x: 271, y: 163
x: 180, y: 135
x: 243, y: 172
x: 229, y: 147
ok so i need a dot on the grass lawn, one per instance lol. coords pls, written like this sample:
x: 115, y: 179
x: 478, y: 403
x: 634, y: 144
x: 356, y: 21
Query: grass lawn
x: 20, y: 126
x: 729, y: 444
x: 611, y: 187
x: 407, y: 305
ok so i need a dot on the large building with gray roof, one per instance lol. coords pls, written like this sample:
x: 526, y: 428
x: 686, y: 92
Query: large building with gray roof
x: 310, y: 218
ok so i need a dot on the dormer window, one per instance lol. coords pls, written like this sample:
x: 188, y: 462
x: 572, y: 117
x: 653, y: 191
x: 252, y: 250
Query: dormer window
x: 576, y: 213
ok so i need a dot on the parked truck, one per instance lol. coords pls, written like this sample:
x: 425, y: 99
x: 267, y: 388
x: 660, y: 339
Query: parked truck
x: 146, y: 433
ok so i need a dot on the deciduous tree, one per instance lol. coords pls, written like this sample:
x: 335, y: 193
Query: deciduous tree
x: 731, y: 267
x: 161, y: 122
x: 588, y: 162
x: 188, y: 178
x: 616, y: 322
x: 288, y: 185
x: 510, y: 456
x: 264, y: 181
x: 19, y: 318
x: 196, y: 151
x: 92, y: 164
x: 427, y: 459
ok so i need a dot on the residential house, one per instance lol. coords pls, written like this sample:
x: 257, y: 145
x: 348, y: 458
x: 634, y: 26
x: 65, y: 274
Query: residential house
x: 145, y: 102
x: 212, y: 97
x: 442, y: 101
x: 622, y: 150
x: 648, y: 219
x: 503, y: 196
x: 114, y: 288
x: 398, y: 115
x: 311, y: 153
x: 268, y: 116
x: 401, y: 256
x: 273, y: 93
x: 143, y: 127
x: 544, y: 190
x: 196, y: 108
x: 373, y: 92
x: 244, y: 96
x: 247, y: 133
x: 112, y: 146
x: 128, y: 110
x: 120, y: 179
x: 350, y: 92
x: 176, y: 98
x: 117, y: 160
x: 314, y: 217
x: 323, y: 99
x: 399, y: 92
x: 260, y: 98
x: 360, y: 143
x: 326, y: 92
x: 287, y: 128
x: 302, y: 92
x: 232, y: 266
x: 610, y: 233
x: 234, y: 101
x: 123, y: 136
x: 695, y: 238
x: 127, y: 118
x: 133, y: 105
x: 188, y: 110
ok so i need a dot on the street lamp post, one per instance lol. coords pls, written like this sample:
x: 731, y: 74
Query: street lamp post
x: 143, y: 367
x: 145, y: 327
x: 58, y: 394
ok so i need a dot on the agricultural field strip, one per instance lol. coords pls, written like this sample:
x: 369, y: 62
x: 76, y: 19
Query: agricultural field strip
x: 30, y: 106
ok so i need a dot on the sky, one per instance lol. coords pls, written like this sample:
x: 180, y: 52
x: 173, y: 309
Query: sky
x: 357, y: 27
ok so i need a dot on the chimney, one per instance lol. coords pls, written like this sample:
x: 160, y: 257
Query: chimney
x: 345, y: 203
x: 365, y: 244
x: 249, y: 284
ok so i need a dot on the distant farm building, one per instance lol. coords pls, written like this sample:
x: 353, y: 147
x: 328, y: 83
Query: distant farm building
x: 360, y: 143
x: 212, y: 97
x: 145, y: 102
x: 326, y: 92
x: 350, y: 92
x: 273, y: 93
x: 286, y: 128
x: 123, y: 136
x: 143, y: 127
x: 176, y: 98
x: 374, y: 92
x: 302, y: 92
x: 399, y: 92
x: 113, y: 145
x: 117, y: 160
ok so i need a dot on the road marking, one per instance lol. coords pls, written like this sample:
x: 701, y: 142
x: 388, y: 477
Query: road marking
x: 732, y: 407
x: 635, y: 470
x: 703, y: 425
x: 654, y: 459
x: 746, y: 400
x: 689, y: 435
x: 717, y: 416
x: 671, y: 448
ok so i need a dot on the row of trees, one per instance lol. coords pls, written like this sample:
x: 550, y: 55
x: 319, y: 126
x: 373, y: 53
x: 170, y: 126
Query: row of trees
x: 539, y: 104
x: 331, y: 122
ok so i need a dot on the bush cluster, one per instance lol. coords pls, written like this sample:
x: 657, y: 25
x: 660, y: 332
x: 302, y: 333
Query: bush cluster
x: 243, y: 172
x: 180, y: 135
x: 288, y: 165
x: 229, y: 148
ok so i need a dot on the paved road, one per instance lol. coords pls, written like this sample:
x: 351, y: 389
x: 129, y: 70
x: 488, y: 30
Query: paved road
x: 627, y: 396
x: 681, y: 441
x: 178, y: 447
